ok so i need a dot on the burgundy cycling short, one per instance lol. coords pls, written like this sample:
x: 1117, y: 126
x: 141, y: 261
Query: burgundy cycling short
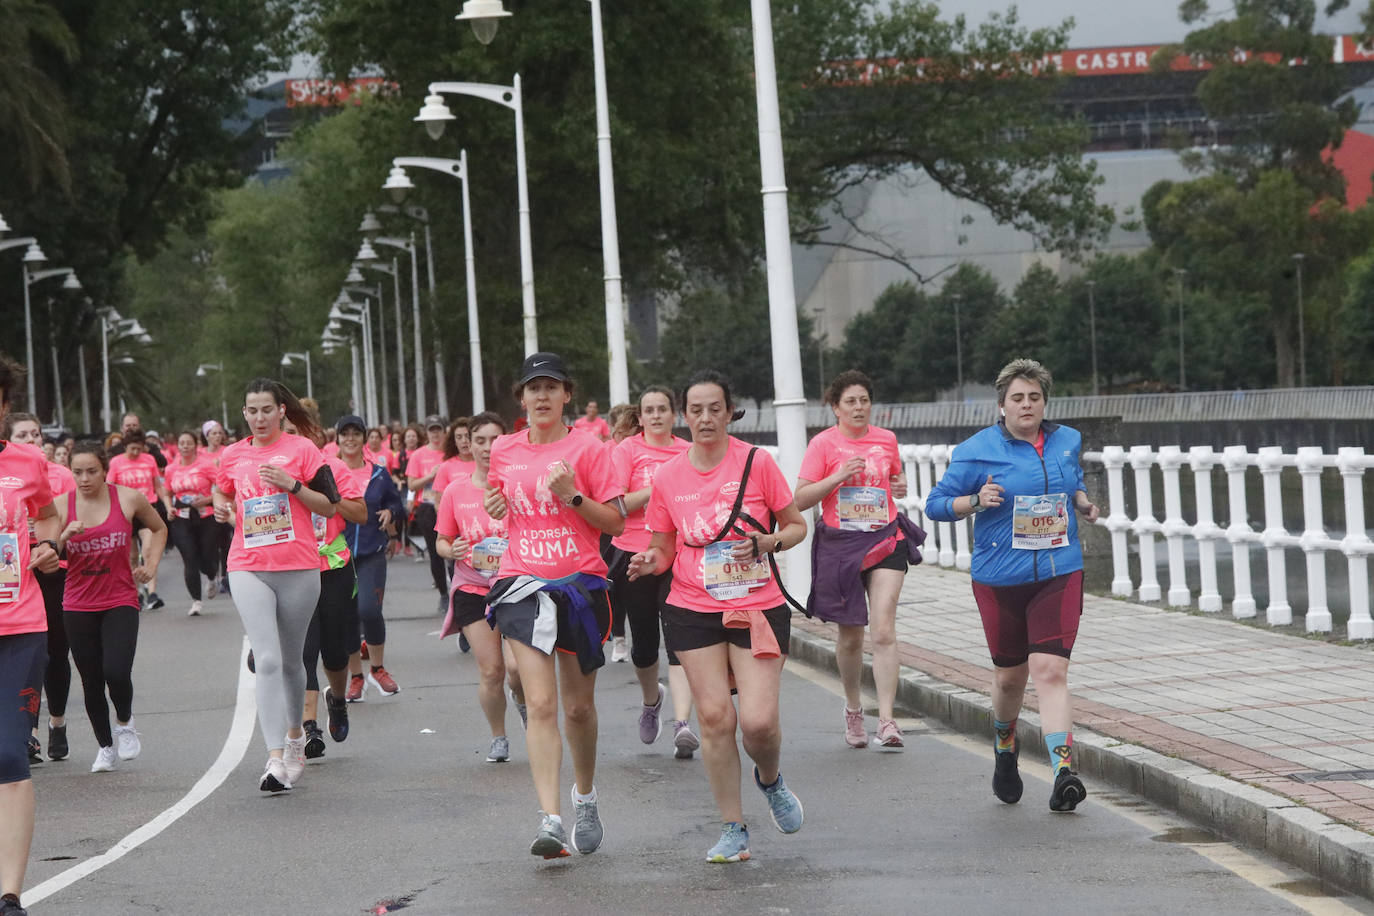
x: 1035, y: 617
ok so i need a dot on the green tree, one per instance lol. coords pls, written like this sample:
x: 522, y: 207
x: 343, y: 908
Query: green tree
x: 871, y: 342
x: 33, y: 117
x: 1353, y: 351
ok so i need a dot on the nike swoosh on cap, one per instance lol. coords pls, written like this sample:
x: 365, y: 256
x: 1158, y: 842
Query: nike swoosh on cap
x: 537, y: 365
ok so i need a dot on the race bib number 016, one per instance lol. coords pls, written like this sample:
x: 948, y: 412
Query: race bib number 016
x: 485, y: 556
x: 725, y: 577
x: 862, y: 508
x: 1039, y: 522
x: 267, y: 521
x: 10, y: 573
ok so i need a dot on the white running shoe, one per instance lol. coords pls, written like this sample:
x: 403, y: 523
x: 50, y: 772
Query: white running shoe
x: 619, y: 651
x: 212, y: 589
x: 195, y: 609
x: 126, y: 739
x: 293, y: 757
x: 104, y: 760
x: 274, y: 776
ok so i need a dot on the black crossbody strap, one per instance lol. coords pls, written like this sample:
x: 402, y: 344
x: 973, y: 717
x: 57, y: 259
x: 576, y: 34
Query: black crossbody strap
x: 737, y: 508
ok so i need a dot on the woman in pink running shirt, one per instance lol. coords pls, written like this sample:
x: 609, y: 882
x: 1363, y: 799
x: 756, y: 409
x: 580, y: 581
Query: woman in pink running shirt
x: 555, y: 488
x: 270, y: 484
x: 138, y: 470
x: 725, y: 617
x: 194, y: 532
x: 421, y: 468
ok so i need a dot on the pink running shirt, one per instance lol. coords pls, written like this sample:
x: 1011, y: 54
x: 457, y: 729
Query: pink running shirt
x: 548, y: 539
x: 453, y: 469
x: 463, y: 514
x: 598, y: 427
x: 140, y: 474
x: 695, y: 505
x: 422, y: 463
x: 192, y: 480
x: 24, y: 492
x: 281, y: 534
x: 327, y: 529
x: 635, y: 462
x: 863, y: 502
x: 99, y: 574
x: 60, y: 479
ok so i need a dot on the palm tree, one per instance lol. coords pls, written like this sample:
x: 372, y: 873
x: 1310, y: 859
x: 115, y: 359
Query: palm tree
x: 33, y: 114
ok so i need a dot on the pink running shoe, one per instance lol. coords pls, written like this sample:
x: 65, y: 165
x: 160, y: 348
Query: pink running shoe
x: 889, y: 735
x: 382, y: 681
x: 855, y: 735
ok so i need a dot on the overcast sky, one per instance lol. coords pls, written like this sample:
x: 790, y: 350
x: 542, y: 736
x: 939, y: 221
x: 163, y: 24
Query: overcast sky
x: 1115, y: 22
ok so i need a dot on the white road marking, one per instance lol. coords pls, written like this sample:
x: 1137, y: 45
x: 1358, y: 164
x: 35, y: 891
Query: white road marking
x: 1267, y: 874
x: 235, y: 745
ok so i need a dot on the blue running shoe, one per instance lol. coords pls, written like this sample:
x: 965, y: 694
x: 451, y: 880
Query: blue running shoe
x: 733, y: 845
x: 784, y: 807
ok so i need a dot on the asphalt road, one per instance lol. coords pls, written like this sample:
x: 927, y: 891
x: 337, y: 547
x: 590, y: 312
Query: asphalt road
x: 408, y: 815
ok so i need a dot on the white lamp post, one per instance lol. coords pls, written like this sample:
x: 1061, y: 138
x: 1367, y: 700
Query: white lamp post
x: 294, y: 357
x: 205, y: 369
x: 394, y: 270
x: 366, y: 254
x: 358, y: 283
x: 398, y: 181
x: 32, y: 255
x: 343, y: 310
x: 112, y: 325
x: 435, y: 114
x: 71, y: 283
x: 486, y: 15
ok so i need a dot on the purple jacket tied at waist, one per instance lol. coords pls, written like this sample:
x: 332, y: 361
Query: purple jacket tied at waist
x: 837, y: 590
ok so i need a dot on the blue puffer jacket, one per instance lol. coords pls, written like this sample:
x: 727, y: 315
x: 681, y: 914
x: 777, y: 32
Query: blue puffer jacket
x: 364, y: 540
x: 1020, y: 471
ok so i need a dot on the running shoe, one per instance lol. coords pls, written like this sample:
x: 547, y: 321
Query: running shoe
x: 619, y: 651
x: 126, y: 739
x: 274, y: 776
x: 293, y: 758
x: 551, y: 841
x: 357, y: 689
x: 154, y: 602
x: 784, y: 807
x: 212, y: 588
x: 855, y: 735
x: 195, y: 609
x: 104, y: 760
x: 362, y: 650
x: 224, y: 585
x: 733, y: 845
x: 650, y: 722
x: 252, y: 668
x: 57, y: 742
x: 520, y: 708
x: 382, y: 681
x: 1068, y: 791
x: 443, y: 605
x: 685, y: 741
x: 587, y: 832
x: 889, y: 735
x: 9, y: 906
x: 35, y: 750
x: 1006, y: 779
x: 463, y: 645
x: 337, y: 708
x: 500, y: 750
x: 314, y: 740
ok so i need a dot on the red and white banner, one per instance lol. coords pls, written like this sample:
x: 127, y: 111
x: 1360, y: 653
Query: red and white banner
x: 325, y: 93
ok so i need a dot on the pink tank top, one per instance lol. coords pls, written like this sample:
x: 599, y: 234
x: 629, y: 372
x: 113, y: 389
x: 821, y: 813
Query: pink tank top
x: 99, y: 574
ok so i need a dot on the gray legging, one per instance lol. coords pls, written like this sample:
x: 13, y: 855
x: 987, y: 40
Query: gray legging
x: 276, y: 608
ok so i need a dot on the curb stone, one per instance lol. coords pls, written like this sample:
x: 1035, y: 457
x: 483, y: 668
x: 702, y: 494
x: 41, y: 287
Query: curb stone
x: 1335, y: 853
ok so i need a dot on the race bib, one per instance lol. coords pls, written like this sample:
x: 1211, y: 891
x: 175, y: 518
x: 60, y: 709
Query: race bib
x: 10, y: 573
x: 725, y: 577
x: 485, y: 555
x: 267, y: 521
x: 861, y: 508
x: 318, y: 524
x: 1039, y: 522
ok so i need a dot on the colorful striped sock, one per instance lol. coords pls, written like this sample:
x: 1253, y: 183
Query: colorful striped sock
x: 1060, y: 746
x: 1005, y: 733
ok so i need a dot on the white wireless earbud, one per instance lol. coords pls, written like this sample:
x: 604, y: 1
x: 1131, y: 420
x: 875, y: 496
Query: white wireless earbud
x: 1001, y: 411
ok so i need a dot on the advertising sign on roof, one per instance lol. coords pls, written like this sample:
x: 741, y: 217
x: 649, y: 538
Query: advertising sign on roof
x: 325, y: 93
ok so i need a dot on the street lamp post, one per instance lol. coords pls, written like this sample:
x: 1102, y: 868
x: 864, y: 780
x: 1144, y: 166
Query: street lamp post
x: 435, y: 114
x: 366, y: 255
x: 394, y: 271
x: 295, y: 357
x: 362, y: 317
x: 1092, y: 329
x: 31, y: 246
x: 35, y: 255
x: 399, y: 182
x: 1302, y: 326
x: 205, y: 369
x: 1179, y: 274
x: 112, y: 323
x: 958, y: 347
x: 359, y: 285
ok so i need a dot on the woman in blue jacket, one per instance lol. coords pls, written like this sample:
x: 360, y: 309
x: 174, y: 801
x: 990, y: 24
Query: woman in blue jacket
x: 1023, y: 480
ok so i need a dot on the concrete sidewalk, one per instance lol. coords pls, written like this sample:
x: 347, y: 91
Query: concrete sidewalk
x: 1257, y: 734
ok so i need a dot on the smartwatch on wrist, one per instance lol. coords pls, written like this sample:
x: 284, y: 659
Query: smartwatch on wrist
x: 975, y: 503
x: 576, y: 500
x: 296, y: 489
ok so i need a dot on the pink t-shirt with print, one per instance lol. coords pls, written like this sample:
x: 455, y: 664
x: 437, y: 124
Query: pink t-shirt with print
x: 60, y: 479
x: 694, y: 505
x: 192, y: 480
x: 547, y: 538
x: 864, y: 501
x: 463, y: 514
x: 24, y: 492
x: 453, y: 469
x: 635, y: 462
x: 139, y: 474
x: 422, y: 463
x: 280, y: 535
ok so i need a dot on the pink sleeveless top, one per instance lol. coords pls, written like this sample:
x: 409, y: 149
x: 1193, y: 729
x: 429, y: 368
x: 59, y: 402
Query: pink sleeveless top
x: 99, y: 574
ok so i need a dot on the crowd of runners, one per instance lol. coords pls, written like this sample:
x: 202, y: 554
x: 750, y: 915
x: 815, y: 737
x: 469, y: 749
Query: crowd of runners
x: 545, y: 541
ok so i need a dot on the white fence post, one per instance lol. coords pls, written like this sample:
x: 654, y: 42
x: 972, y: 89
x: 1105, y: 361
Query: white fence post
x: 1145, y: 525
x: 1202, y: 459
x: 1356, y: 545
x: 1236, y: 459
x: 1271, y: 462
x: 940, y: 454
x: 1310, y: 466
x: 1118, y: 522
x: 1170, y: 460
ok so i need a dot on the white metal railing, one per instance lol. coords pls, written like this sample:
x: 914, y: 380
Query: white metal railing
x: 925, y: 465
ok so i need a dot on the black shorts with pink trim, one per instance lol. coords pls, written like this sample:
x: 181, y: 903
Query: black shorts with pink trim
x: 1035, y: 617
x: 685, y: 629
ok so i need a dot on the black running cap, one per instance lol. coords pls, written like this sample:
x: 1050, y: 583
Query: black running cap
x: 348, y: 420
x: 434, y: 420
x: 543, y: 365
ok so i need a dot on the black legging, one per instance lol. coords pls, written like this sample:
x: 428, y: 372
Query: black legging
x: 103, y: 644
x: 197, y: 540
x: 608, y: 553
x: 226, y: 540
x: 333, y: 631
x: 423, y: 523
x: 639, y: 602
x: 57, y: 680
